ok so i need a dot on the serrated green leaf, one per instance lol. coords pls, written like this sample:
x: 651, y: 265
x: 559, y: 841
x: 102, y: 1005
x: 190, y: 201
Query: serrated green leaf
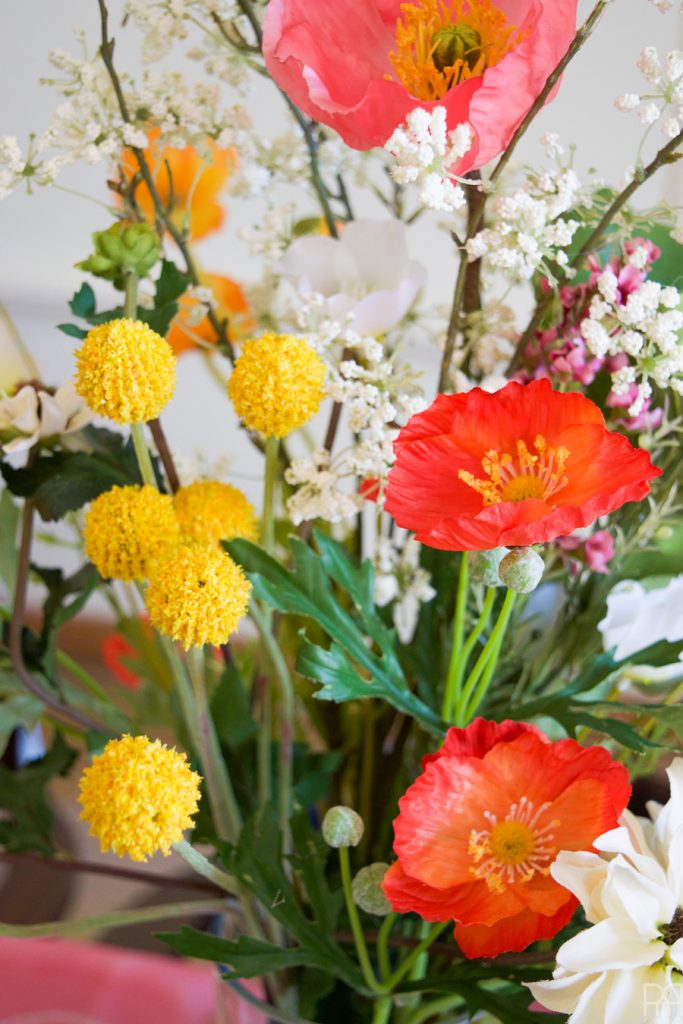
x: 83, y: 302
x: 27, y: 822
x: 18, y: 708
x: 245, y: 957
x: 72, y: 331
x: 307, y: 591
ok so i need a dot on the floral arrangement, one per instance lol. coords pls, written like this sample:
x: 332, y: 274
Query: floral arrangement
x: 403, y: 702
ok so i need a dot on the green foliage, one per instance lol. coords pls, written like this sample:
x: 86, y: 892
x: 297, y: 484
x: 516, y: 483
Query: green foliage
x: 66, y: 596
x: 9, y: 524
x: 63, y: 481
x: 350, y: 668
x: 256, y: 862
x: 27, y: 818
x: 18, y: 708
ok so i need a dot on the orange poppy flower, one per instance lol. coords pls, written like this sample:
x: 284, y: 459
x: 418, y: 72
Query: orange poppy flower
x: 115, y: 648
x: 522, y: 466
x: 231, y: 303
x: 478, y: 831
x: 187, y: 182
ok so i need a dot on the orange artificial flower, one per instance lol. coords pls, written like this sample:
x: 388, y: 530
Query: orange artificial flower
x: 522, y: 466
x: 186, y: 181
x: 478, y: 831
x: 231, y: 303
x: 116, y: 653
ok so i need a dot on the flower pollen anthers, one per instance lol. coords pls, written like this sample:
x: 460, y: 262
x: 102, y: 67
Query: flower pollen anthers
x: 210, y: 511
x: 522, y: 466
x: 630, y: 960
x: 125, y: 371
x: 197, y: 595
x: 483, y: 67
x: 424, y: 151
x: 139, y: 797
x: 276, y: 384
x: 479, y: 829
x: 126, y: 528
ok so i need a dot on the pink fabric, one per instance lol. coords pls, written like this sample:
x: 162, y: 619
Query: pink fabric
x: 332, y: 60
x: 56, y: 981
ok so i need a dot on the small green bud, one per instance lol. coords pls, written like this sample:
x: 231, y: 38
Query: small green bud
x: 664, y: 533
x: 455, y: 42
x: 522, y: 570
x: 122, y: 249
x: 342, y: 827
x: 366, y: 890
x: 483, y: 566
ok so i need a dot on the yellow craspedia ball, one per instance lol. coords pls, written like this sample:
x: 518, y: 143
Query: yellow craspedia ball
x: 125, y: 371
x: 138, y: 797
x: 277, y: 384
x: 126, y: 528
x: 209, y: 511
x: 197, y: 595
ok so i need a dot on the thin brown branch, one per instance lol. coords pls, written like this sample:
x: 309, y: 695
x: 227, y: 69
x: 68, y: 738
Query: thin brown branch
x: 164, y: 451
x: 88, y: 867
x: 61, y: 711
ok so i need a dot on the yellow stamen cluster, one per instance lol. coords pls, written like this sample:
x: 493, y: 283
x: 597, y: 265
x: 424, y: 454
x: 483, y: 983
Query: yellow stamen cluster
x: 138, y: 797
x: 126, y: 371
x: 126, y: 528
x: 277, y: 384
x: 515, y: 849
x: 197, y: 595
x: 209, y: 511
x: 441, y: 43
x: 521, y: 477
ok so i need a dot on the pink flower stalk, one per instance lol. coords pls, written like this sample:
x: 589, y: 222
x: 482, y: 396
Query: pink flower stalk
x: 597, y: 551
x: 360, y: 66
x: 648, y: 419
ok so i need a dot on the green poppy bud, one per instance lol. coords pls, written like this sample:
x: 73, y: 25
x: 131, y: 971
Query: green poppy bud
x: 483, y: 566
x: 522, y: 570
x: 366, y: 890
x: 342, y: 827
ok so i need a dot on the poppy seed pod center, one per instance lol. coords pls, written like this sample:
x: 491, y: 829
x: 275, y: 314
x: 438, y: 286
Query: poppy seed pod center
x: 453, y: 43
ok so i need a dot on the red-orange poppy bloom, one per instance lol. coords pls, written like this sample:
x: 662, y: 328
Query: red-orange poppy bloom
x: 187, y: 183
x: 115, y: 648
x: 478, y: 831
x: 477, y: 471
x: 231, y: 302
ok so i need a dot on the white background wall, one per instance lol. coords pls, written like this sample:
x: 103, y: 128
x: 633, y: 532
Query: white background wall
x: 43, y: 235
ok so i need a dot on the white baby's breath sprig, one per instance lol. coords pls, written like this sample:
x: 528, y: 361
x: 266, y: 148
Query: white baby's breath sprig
x: 425, y: 151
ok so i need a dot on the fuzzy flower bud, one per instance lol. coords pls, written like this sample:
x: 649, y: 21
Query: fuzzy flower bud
x: 342, y: 827
x: 367, y: 890
x: 521, y: 570
x: 484, y: 566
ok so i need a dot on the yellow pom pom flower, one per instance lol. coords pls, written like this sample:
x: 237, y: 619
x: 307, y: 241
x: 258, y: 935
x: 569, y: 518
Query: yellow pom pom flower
x: 209, y: 511
x: 197, y: 595
x: 126, y: 371
x: 126, y: 528
x: 277, y: 384
x: 138, y: 797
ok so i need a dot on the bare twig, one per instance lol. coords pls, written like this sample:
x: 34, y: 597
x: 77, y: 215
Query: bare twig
x: 165, y: 454
x: 89, y: 867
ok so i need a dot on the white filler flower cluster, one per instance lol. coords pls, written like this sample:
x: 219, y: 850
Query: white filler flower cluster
x: 424, y: 152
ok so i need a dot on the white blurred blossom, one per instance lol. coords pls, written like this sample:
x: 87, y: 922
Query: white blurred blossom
x: 637, y: 618
x: 424, y: 150
x: 34, y: 414
x: 400, y: 578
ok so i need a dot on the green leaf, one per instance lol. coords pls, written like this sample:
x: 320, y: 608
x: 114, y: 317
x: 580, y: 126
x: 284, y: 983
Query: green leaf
x: 83, y: 303
x: 309, y: 863
x: 230, y: 710
x: 246, y: 958
x: 307, y: 591
x: 66, y: 480
x: 58, y: 609
x: 18, y: 708
x: 171, y: 284
x: 27, y: 819
x: 72, y: 331
x: 9, y: 523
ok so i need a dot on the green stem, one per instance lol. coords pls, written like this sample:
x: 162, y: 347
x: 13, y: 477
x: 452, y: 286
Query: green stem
x: 205, y: 868
x: 383, y: 946
x: 383, y: 1008
x: 118, y: 919
x: 456, y: 668
x: 130, y: 301
x: 285, y: 762
x: 473, y: 637
x: 487, y: 675
x: 137, y: 433
x: 490, y: 651
x: 80, y: 673
x: 263, y: 743
x: 434, y: 1007
x: 356, y: 927
x: 224, y: 806
x: 270, y: 478
x: 406, y: 966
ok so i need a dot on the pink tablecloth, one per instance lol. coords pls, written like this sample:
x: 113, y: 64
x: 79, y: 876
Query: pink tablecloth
x: 55, y: 981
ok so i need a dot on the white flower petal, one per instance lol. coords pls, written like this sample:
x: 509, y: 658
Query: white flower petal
x: 610, y: 945
x: 563, y: 992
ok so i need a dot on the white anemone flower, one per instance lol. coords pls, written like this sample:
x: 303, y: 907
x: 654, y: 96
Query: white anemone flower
x: 366, y: 273
x: 35, y: 414
x: 629, y: 965
x: 637, y: 618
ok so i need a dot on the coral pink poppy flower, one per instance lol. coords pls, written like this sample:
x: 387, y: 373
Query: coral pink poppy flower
x: 360, y: 66
x: 478, y: 831
x: 522, y: 466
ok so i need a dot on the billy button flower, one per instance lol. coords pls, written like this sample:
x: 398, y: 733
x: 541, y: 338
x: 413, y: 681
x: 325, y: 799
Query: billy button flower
x: 277, y: 384
x: 126, y: 528
x: 125, y: 371
x: 138, y: 797
x: 522, y: 466
x: 480, y: 828
x: 210, y: 511
x: 197, y: 595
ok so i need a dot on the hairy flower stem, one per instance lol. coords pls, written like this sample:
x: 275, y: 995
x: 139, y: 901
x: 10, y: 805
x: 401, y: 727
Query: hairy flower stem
x: 199, y: 863
x: 356, y: 927
x: 665, y: 155
x: 117, y: 919
x: 456, y: 668
x: 473, y: 694
x: 468, y: 647
x: 383, y: 961
x: 434, y: 1008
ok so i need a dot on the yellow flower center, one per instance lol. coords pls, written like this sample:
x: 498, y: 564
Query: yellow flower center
x: 521, y: 476
x: 441, y: 43
x: 515, y: 849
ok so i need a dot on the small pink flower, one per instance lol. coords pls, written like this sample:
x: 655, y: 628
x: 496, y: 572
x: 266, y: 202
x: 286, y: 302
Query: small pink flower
x: 360, y: 66
x: 600, y: 551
